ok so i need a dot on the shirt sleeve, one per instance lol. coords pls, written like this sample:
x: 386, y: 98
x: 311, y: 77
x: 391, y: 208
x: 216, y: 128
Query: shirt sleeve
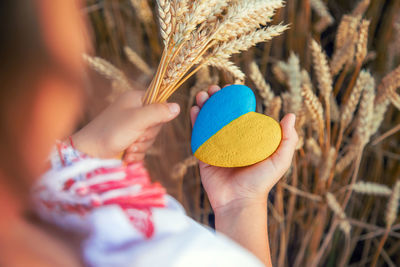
x: 129, y: 221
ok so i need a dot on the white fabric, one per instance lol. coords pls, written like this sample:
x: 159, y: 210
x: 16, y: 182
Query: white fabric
x: 178, y: 242
x: 120, y: 235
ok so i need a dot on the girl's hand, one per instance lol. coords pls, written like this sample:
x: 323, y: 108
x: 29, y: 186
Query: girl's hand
x: 125, y: 125
x: 233, y: 188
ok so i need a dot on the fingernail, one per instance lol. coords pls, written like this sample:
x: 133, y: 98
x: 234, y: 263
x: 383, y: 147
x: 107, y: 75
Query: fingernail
x: 173, y: 108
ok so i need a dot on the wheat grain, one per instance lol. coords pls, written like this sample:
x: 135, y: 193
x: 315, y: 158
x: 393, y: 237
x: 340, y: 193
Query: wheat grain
x: 393, y: 205
x: 371, y: 189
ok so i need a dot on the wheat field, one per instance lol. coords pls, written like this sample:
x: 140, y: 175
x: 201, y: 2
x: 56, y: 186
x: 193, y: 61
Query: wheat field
x: 335, y: 64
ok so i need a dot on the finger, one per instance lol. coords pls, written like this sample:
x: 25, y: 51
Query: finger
x: 150, y: 133
x: 131, y: 99
x: 201, y: 98
x: 194, y: 112
x: 154, y: 114
x: 213, y: 89
x: 282, y: 158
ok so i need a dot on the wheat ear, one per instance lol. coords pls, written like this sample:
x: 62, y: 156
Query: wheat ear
x: 136, y: 60
x: 365, y: 114
x: 263, y: 87
x: 371, y: 189
x: 393, y: 205
x: 337, y: 209
x: 348, y: 109
x: 322, y: 10
x: 314, y: 107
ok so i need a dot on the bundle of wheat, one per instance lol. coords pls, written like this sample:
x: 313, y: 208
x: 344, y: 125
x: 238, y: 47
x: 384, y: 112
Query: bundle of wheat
x: 202, y: 33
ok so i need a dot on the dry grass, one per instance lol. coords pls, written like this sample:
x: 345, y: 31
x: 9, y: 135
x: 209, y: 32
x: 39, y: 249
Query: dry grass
x: 337, y: 68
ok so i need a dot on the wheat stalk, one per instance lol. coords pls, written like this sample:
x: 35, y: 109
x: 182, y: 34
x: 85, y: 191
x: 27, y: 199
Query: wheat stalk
x: 361, y: 7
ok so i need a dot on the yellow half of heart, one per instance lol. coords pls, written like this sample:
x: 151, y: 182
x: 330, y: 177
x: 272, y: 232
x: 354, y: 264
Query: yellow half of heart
x: 249, y: 139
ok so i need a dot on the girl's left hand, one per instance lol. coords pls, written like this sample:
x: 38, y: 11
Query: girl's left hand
x: 230, y: 188
x: 126, y: 125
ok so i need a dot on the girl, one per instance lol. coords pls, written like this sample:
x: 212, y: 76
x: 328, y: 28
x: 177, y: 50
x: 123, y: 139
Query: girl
x: 113, y: 214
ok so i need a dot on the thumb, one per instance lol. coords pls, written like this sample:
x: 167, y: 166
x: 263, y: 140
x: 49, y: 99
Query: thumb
x: 155, y: 114
x: 282, y: 158
x: 287, y: 147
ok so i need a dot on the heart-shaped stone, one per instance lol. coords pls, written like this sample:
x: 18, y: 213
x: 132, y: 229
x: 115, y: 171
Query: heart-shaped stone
x: 229, y: 133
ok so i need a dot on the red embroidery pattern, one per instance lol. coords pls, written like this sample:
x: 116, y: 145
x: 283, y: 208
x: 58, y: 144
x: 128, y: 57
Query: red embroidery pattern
x: 128, y: 187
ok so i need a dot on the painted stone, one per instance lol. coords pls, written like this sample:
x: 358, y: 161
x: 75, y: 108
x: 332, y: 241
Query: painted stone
x: 229, y: 133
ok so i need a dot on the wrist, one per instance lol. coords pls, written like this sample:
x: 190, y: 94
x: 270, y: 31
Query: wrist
x: 82, y: 142
x: 236, y: 206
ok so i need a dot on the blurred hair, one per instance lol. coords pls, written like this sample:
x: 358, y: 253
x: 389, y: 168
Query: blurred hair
x: 23, y: 57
